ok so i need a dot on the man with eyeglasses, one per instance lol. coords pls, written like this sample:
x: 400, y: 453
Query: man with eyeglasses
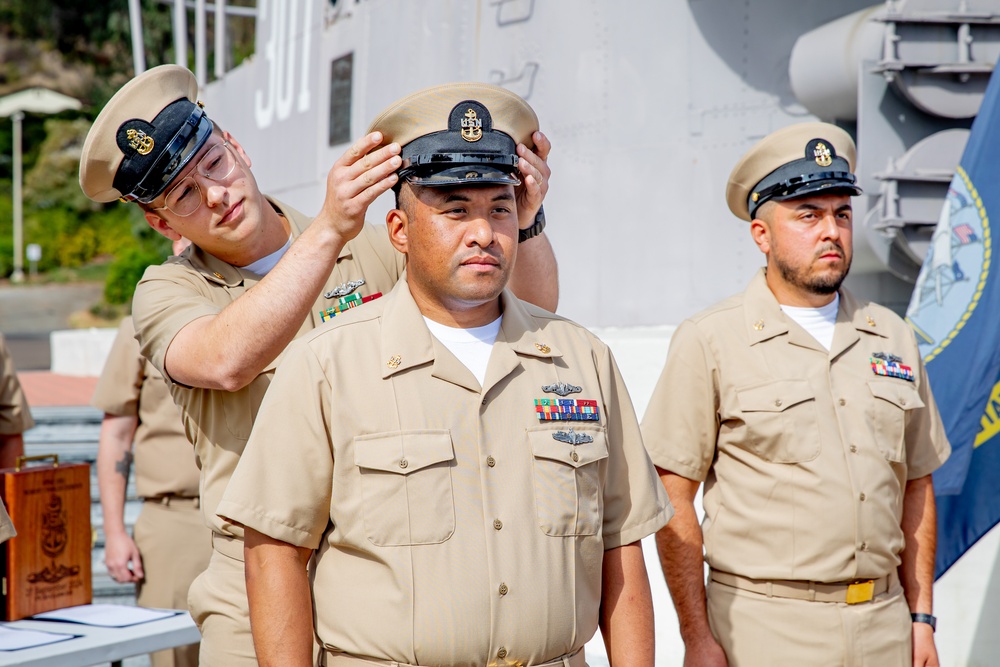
x: 216, y: 319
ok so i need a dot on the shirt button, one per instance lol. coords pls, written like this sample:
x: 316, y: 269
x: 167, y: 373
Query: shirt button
x: 498, y: 524
x: 854, y: 449
x: 490, y: 461
x: 503, y: 589
x: 575, y: 457
x: 502, y: 653
x: 842, y: 402
x: 403, y: 463
x: 862, y: 497
x: 777, y: 402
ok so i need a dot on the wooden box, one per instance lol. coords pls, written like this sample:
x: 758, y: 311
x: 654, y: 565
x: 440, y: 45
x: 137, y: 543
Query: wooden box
x: 47, y: 565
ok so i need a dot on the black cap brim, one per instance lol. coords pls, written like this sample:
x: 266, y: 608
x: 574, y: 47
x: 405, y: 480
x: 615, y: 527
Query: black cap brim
x: 463, y: 175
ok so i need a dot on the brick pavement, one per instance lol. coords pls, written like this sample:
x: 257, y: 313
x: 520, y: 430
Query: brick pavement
x: 46, y: 389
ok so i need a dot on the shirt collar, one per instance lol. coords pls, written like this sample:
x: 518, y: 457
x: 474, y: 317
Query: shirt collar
x: 764, y: 319
x: 407, y: 343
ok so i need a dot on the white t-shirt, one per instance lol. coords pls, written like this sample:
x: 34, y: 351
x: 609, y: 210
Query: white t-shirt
x: 472, y: 346
x: 817, y: 321
x: 265, y: 264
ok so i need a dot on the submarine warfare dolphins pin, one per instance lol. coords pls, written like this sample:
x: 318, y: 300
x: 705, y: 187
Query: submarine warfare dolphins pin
x: 345, y: 289
x: 561, y: 388
x: 572, y: 437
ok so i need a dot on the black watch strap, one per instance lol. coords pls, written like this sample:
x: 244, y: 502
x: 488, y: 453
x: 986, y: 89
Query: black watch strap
x: 536, y: 227
x: 929, y: 619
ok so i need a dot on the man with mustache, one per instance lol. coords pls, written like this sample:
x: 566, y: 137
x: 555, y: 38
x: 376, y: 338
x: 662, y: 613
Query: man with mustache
x: 809, y: 417
x: 469, y: 483
x: 215, y: 320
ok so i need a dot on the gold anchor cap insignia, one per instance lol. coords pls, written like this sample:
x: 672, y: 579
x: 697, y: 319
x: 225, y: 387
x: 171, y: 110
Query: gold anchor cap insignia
x: 821, y: 153
x: 758, y: 325
x: 543, y: 348
x: 394, y: 361
x: 140, y: 141
x: 472, y: 126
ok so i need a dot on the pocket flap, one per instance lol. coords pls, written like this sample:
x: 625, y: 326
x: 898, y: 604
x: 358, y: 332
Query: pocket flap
x: 545, y: 446
x: 903, y: 396
x: 403, y: 452
x: 775, y: 396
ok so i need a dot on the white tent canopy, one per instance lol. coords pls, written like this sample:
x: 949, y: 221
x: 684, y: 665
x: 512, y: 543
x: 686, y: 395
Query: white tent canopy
x: 36, y: 100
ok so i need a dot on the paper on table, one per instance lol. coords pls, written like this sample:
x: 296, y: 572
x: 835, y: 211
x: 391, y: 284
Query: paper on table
x: 12, y: 639
x: 106, y: 615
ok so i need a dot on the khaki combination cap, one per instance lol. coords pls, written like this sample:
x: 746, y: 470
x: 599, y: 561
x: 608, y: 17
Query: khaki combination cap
x: 797, y: 161
x: 458, y: 133
x: 144, y: 137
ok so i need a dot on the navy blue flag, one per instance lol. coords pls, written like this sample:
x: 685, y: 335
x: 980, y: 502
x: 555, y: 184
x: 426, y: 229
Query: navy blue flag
x: 955, y: 313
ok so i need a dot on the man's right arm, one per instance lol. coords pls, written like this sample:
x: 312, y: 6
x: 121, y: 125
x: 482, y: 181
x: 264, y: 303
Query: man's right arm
x: 280, y: 600
x: 228, y: 350
x: 114, y: 460
x: 679, y: 545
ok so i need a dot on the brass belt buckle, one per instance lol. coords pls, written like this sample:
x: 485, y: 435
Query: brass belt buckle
x: 861, y: 591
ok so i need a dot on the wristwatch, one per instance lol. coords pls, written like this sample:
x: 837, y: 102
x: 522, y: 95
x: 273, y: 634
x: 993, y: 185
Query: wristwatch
x: 536, y: 227
x: 929, y: 619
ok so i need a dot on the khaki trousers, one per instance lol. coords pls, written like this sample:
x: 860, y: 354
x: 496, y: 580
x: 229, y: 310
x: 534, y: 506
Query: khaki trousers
x: 755, y: 630
x: 175, y: 545
x: 218, y: 602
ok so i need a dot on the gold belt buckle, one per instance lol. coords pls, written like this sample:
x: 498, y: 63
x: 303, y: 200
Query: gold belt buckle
x: 861, y: 591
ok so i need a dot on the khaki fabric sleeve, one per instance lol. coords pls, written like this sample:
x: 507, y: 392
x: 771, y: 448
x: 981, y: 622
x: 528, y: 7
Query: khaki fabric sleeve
x: 927, y: 446
x: 635, y: 504
x: 6, y: 525
x: 15, y: 415
x: 168, y: 298
x: 680, y: 427
x: 282, y: 484
x: 118, y: 388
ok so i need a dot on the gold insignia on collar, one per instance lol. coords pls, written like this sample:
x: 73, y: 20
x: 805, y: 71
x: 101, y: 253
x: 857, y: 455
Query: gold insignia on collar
x: 394, y: 361
x: 822, y: 155
x: 218, y: 275
x: 871, y: 322
x: 141, y: 142
x: 543, y: 348
x: 472, y: 126
x: 758, y: 325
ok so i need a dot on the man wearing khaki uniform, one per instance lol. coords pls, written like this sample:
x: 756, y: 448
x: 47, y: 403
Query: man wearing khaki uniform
x: 809, y: 417
x: 216, y: 319
x: 15, y: 415
x: 171, y: 545
x: 470, y: 478
x: 15, y: 419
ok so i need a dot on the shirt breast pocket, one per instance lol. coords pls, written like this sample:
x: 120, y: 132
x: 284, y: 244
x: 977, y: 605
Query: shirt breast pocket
x: 893, y: 401
x: 407, y: 487
x: 568, y: 481
x: 782, y: 421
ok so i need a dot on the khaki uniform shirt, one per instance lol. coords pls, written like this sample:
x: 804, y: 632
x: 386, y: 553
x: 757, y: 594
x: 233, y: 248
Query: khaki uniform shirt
x: 449, y: 521
x: 805, y: 453
x: 196, y: 284
x: 130, y: 386
x: 15, y: 415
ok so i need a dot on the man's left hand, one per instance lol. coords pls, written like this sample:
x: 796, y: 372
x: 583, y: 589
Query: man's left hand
x: 924, y: 650
x: 535, y: 174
